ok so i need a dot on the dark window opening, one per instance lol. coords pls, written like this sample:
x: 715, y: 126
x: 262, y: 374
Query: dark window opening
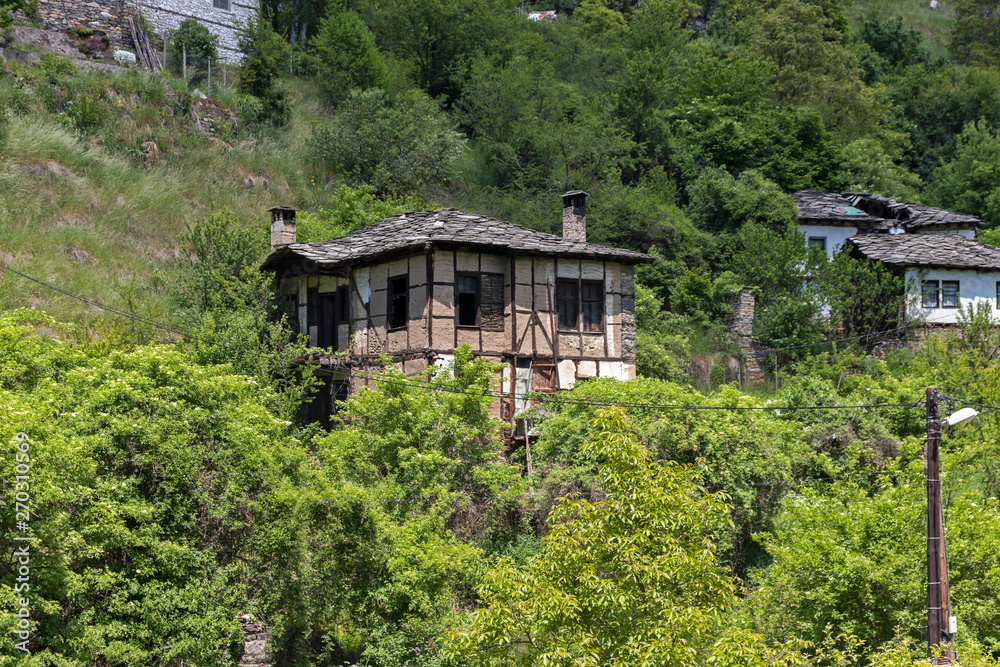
x: 327, y: 332
x: 817, y: 242
x: 581, y: 305
x: 467, y: 298
x: 568, y: 304
x: 949, y: 294
x: 398, y: 300
x: 998, y: 295
x: 593, y: 306
x: 929, y: 294
x: 221, y: 4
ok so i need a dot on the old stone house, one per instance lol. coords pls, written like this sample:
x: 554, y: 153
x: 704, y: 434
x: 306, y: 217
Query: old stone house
x: 221, y: 17
x: 934, y: 250
x: 551, y: 309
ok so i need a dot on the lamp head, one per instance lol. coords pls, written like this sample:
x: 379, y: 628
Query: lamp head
x: 960, y: 417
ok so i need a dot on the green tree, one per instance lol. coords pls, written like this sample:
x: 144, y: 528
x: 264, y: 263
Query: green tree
x: 975, y: 37
x: 865, y: 298
x: 194, y: 41
x: 396, y: 146
x: 968, y: 182
x: 347, y: 54
x: 265, y: 54
x: 632, y: 579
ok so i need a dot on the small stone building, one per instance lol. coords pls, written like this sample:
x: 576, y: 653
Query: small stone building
x: 552, y: 309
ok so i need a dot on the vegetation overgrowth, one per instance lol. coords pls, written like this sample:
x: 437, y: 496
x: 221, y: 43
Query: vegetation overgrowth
x: 176, y: 483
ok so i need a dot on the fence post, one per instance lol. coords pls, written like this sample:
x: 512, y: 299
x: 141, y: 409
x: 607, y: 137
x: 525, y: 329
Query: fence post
x: 164, y: 49
x: 184, y: 62
x: 209, y: 76
x: 224, y: 63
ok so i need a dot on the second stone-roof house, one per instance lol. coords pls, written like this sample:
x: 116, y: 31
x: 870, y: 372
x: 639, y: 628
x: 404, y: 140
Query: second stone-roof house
x: 933, y: 249
x: 552, y: 309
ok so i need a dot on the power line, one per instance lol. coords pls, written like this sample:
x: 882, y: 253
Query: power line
x: 395, y: 380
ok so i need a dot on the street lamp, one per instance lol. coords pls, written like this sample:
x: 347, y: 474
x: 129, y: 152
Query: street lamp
x: 941, y: 625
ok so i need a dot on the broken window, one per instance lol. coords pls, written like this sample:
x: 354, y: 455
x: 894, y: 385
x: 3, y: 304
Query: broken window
x: 949, y: 294
x: 398, y: 300
x: 467, y: 300
x: 929, y: 294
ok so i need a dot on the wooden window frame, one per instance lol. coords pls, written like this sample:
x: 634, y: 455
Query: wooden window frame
x: 478, y: 293
x: 936, y: 292
x: 578, y: 285
x: 946, y: 284
x: 390, y: 299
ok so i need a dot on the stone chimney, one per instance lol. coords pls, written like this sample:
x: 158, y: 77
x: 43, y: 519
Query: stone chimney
x: 282, y: 226
x: 575, y: 216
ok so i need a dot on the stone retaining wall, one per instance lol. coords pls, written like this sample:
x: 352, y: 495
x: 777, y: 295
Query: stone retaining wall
x: 105, y: 15
x: 740, y: 324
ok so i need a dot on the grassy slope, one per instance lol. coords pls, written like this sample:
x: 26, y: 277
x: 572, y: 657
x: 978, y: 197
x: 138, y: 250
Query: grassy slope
x: 96, y: 222
x: 934, y: 24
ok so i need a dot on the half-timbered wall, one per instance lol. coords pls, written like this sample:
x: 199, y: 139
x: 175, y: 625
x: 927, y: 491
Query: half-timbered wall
x: 518, y: 319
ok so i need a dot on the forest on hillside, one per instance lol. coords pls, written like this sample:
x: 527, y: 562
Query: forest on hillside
x: 175, y: 485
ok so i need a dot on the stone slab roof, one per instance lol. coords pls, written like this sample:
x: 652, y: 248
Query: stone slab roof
x: 412, y: 231
x: 867, y: 211
x: 937, y: 250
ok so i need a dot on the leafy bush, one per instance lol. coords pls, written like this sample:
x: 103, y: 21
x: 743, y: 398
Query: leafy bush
x: 200, y: 45
x: 396, y: 146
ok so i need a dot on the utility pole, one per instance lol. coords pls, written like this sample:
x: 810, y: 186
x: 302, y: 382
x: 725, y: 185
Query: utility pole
x: 939, y: 623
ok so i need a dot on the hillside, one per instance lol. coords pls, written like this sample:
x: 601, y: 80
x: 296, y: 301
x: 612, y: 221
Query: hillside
x: 102, y: 172
x: 185, y: 503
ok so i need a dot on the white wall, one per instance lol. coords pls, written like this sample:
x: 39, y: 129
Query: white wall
x: 974, y: 287
x: 168, y: 14
x: 835, y: 236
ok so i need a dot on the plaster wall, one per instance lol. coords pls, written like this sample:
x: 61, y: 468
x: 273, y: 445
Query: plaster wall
x: 974, y: 287
x: 835, y: 236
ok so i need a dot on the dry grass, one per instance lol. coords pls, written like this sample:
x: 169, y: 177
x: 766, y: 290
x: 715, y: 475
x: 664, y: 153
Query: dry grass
x: 81, y: 211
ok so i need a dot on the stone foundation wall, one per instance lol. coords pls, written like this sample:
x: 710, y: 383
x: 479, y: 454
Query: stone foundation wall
x: 256, y: 644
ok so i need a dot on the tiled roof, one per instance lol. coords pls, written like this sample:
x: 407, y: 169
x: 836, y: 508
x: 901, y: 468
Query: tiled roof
x: 940, y: 250
x: 411, y: 231
x: 867, y: 211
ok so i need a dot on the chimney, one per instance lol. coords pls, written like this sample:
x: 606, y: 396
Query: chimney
x: 575, y: 216
x: 282, y: 226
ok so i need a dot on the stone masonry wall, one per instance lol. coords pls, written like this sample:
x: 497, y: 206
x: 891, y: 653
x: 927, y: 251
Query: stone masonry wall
x: 168, y: 14
x: 106, y: 15
x: 109, y: 16
x: 740, y: 324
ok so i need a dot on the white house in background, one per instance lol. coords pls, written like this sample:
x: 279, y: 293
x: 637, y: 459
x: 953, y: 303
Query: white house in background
x: 828, y: 219
x: 934, y: 250
x: 942, y: 272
